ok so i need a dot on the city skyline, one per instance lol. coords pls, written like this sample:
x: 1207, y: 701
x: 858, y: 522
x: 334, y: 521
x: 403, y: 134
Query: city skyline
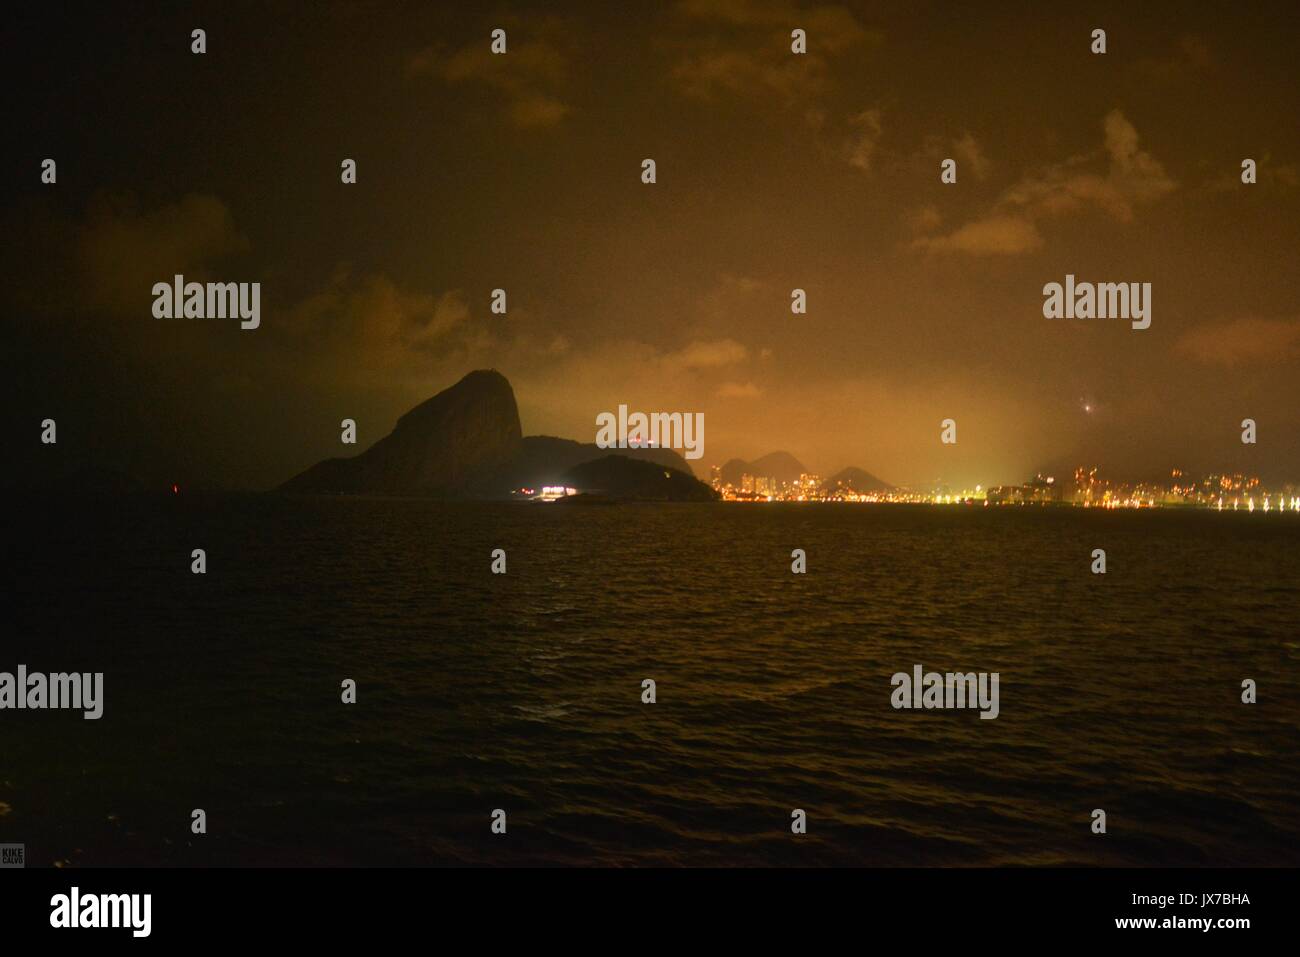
x: 1086, y: 487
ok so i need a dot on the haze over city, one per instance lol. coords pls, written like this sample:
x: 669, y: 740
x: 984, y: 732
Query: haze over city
x: 821, y: 173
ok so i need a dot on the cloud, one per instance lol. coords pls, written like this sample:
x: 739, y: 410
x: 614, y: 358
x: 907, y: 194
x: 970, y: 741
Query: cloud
x: 124, y: 251
x: 1132, y: 178
x: 755, y: 61
x: 377, y: 311
x: 530, y: 76
x: 923, y: 219
x: 1286, y: 175
x: 737, y: 390
x: 861, y: 147
x: 968, y: 150
x: 730, y: 299
x: 364, y: 334
x: 996, y: 235
x: 1189, y: 56
x: 368, y: 329
x: 829, y: 27
x: 1128, y: 177
x: 750, y: 13
x: 1268, y: 173
x: 1243, y: 341
x: 707, y: 354
x: 367, y: 338
x: 529, y: 111
x: 705, y: 74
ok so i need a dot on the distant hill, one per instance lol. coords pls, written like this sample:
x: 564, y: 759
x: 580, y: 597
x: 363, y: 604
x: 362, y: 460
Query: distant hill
x: 617, y: 476
x: 781, y: 466
x: 466, y: 442
x: 858, y: 480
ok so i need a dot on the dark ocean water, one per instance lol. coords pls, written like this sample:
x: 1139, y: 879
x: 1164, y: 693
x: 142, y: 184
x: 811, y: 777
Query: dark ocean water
x: 523, y: 691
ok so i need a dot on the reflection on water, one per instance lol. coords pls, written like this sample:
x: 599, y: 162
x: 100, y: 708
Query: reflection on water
x: 523, y: 691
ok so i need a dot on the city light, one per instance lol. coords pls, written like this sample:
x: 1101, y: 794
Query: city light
x: 1089, y: 489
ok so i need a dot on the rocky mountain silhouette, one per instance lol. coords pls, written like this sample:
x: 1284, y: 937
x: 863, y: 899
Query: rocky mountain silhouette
x: 466, y: 442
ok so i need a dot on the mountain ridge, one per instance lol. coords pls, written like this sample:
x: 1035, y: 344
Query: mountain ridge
x: 781, y: 466
x: 466, y: 442
x: 859, y: 480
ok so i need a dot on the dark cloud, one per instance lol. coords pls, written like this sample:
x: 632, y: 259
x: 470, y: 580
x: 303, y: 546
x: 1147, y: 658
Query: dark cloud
x: 1243, y: 342
x: 776, y: 172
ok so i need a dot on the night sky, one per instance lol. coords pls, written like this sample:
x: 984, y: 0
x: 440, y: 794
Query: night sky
x: 775, y: 171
